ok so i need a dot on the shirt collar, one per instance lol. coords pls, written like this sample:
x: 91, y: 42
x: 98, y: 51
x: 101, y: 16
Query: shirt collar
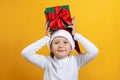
x: 61, y: 60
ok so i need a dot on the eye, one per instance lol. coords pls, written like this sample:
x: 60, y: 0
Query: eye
x: 56, y: 42
x: 65, y: 42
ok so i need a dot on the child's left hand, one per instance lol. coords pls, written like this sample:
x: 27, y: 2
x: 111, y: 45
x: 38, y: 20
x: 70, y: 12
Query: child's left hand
x: 73, y: 27
x: 47, y: 29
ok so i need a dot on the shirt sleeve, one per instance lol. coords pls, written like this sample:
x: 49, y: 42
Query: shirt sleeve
x: 91, y: 50
x: 29, y: 53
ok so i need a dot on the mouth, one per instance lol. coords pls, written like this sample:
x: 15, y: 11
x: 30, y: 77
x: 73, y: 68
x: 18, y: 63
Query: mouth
x: 61, y: 50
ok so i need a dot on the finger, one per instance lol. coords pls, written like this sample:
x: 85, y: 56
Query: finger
x: 74, y: 20
x: 48, y: 28
x: 71, y: 26
x: 46, y: 25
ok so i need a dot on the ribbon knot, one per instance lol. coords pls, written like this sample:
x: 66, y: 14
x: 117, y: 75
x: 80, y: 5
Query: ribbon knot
x: 59, y: 19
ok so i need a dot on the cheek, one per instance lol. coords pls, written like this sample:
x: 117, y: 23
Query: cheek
x: 53, y: 48
x: 69, y: 47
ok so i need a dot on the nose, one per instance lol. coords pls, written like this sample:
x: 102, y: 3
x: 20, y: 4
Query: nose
x: 60, y: 45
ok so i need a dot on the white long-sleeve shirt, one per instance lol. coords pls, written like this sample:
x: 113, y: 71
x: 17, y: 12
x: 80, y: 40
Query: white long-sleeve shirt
x: 60, y: 69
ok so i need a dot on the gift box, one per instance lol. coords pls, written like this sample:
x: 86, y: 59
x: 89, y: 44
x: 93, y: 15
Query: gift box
x: 58, y: 17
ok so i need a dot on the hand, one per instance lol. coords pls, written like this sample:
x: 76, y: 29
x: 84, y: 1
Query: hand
x: 73, y: 27
x: 47, y: 29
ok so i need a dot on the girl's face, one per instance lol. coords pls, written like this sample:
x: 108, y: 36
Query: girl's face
x: 61, y: 47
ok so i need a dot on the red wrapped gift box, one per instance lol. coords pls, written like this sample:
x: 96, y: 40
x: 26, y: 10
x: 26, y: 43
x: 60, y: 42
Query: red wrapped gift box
x: 58, y: 17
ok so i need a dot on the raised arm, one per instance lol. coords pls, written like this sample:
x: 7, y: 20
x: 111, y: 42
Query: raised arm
x: 91, y: 50
x: 29, y: 53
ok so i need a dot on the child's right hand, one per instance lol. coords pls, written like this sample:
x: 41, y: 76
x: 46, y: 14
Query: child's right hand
x: 73, y: 26
x: 47, y: 29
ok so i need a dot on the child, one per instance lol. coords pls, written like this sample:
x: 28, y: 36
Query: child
x: 60, y: 65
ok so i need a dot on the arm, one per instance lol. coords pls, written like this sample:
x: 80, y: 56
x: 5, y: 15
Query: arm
x: 29, y: 52
x: 91, y: 50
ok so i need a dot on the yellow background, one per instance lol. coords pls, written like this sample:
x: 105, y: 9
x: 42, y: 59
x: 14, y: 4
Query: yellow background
x: 22, y: 22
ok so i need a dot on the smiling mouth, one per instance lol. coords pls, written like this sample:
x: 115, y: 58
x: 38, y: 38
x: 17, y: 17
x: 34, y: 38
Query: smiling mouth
x: 61, y: 50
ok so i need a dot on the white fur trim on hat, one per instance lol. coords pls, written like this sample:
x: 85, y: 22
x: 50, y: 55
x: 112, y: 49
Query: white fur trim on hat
x: 65, y: 34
